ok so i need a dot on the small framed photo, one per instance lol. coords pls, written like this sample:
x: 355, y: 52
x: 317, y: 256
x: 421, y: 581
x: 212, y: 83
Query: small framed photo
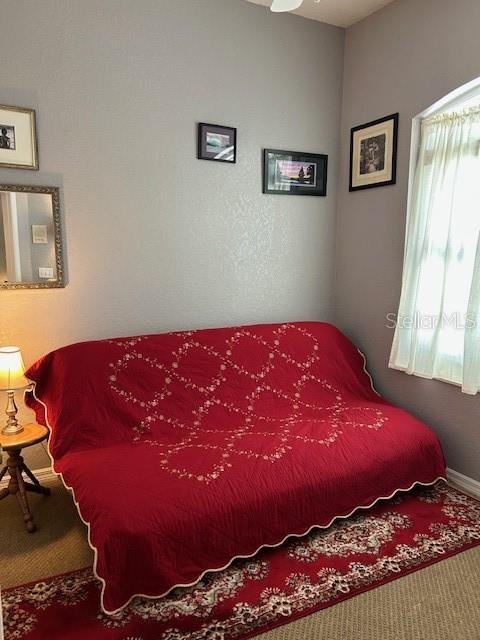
x: 373, y: 153
x: 216, y: 142
x: 18, y: 138
x: 293, y: 173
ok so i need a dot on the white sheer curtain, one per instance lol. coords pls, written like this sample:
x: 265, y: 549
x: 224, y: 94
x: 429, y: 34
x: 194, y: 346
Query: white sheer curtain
x: 437, y: 333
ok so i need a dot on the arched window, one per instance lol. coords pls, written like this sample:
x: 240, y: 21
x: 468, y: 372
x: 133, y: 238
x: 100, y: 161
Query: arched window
x: 438, y: 324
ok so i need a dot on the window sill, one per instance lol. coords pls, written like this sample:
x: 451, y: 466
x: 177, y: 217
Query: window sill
x: 456, y: 383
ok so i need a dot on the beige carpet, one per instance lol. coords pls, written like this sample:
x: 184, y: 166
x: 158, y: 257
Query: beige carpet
x: 441, y: 602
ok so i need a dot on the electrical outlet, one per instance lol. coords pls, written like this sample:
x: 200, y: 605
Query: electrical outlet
x: 45, y: 272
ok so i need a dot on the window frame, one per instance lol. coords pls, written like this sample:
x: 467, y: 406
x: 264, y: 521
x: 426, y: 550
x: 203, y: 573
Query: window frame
x: 447, y: 103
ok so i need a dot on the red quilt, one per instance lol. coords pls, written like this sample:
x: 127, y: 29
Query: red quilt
x: 186, y: 450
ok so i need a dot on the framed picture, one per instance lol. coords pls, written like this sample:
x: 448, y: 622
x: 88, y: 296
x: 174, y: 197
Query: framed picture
x: 18, y: 138
x: 373, y: 153
x: 293, y: 173
x: 216, y: 142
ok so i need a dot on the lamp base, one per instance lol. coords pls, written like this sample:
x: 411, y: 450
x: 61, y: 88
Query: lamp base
x: 12, y: 429
x: 13, y: 426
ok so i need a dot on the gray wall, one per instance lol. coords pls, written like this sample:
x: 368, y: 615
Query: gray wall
x: 155, y: 239
x: 402, y: 58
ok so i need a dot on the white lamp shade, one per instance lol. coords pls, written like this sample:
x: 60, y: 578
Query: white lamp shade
x: 12, y: 369
x: 285, y: 5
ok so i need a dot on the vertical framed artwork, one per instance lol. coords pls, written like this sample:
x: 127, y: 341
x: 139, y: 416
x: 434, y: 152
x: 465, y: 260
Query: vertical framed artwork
x: 217, y: 142
x: 373, y: 153
x: 291, y: 173
x: 18, y: 138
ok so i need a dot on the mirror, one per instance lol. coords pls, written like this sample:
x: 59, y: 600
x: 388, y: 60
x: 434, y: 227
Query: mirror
x: 30, y: 238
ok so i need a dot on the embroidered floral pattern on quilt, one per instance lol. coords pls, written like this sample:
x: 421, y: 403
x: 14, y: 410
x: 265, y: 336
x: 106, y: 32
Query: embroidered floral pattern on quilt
x: 245, y: 415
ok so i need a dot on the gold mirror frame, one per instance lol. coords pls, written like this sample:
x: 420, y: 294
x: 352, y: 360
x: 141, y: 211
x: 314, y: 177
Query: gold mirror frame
x: 57, y: 227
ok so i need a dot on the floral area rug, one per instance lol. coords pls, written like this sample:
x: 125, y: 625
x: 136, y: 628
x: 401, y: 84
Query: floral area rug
x: 275, y: 587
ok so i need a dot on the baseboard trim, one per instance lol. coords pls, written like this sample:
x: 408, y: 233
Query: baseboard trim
x: 44, y: 475
x: 461, y: 481
x: 464, y: 482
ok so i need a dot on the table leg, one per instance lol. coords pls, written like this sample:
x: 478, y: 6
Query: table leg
x: 23, y: 502
x: 36, y: 487
x: 30, y: 474
x: 18, y: 487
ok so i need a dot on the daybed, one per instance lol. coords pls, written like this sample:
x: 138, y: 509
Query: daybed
x: 187, y: 450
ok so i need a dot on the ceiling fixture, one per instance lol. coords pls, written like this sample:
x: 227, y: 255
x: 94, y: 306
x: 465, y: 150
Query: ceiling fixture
x: 286, y: 5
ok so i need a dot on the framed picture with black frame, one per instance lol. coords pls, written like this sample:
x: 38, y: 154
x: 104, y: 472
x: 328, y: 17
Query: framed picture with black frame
x: 217, y: 142
x: 373, y: 153
x: 294, y: 173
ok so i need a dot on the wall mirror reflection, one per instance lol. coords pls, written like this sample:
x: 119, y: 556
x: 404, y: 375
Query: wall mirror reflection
x: 30, y: 238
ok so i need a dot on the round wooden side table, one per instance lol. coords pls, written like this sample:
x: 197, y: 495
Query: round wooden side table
x: 16, y: 467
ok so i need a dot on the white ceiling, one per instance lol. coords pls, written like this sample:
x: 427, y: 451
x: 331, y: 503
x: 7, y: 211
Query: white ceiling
x: 341, y: 13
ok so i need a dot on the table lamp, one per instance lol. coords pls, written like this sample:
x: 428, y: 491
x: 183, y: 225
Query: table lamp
x: 12, y: 379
